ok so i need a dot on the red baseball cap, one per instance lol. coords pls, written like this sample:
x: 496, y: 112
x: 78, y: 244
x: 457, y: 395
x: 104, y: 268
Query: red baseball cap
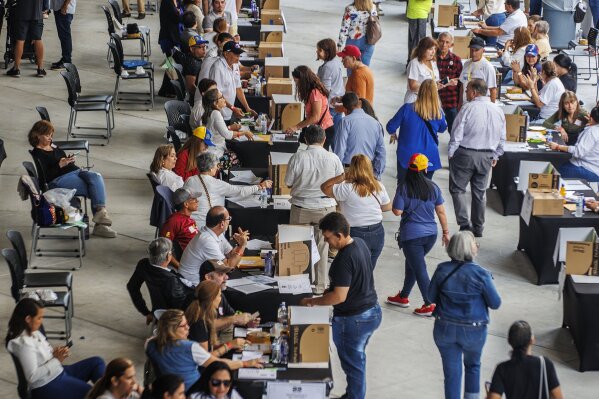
x: 350, y: 50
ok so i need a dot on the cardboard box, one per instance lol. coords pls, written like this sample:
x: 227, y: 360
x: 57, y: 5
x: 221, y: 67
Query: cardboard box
x: 277, y: 169
x: 309, y: 336
x: 286, y: 111
x: 294, y: 250
x: 546, y: 203
x: 515, y: 128
x: 272, y: 17
x: 272, y: 33
x: 276, y: 67
x: 578, y: 248
x: 546, y: 181
x: 279, y: 86
x: 271, y: 5
x: 460, y: 46
x: 448, y: 16
x: 270, y: 49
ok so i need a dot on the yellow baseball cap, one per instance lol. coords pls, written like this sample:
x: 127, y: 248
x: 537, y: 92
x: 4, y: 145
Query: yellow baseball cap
x: 202, y: 133
x: 419, y: 162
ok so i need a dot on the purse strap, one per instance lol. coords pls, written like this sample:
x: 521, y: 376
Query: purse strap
x: 430, y: 130
x: 451, y: 274
x: 206, y: 191
x: 543, y: 382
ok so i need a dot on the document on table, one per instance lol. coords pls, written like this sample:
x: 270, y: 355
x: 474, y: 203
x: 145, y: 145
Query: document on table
x: 257, y: 374
x: 252, y: 288
x: 256, y: 244
x: 244, y: 176
x: 251, y: 202
x: 581, y: 279
x: 239, y: 281
x: 280, y: 158
x: 520, y: 103
x: 298, y: 284
x: 295, y: 390
x: 242, y: 332
x: 575, y: 185
x: 239, y: 356
x: 261, y: 279
x: 515, y: 147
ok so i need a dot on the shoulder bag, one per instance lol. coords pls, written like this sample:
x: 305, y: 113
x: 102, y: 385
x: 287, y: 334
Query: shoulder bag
x: 543, y: 382
x: 402, y: 223
x: 374, y: 32
x: 430, y: 130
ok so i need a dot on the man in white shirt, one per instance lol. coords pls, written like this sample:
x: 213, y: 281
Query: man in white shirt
x: 211, y: 243
x: 225, y: 72
x: 515, y: 19
x: 476, y: 143
x: 306, y: 171
x: 493, y: 13
x: 478, y: 67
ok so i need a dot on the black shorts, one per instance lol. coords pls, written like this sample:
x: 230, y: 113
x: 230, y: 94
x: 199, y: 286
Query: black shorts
x: 32, y: 30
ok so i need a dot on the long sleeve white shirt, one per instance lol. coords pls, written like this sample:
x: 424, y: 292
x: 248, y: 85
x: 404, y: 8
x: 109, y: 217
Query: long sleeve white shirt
x: 479, y: 125
x: 37, y: 359
x: 586, y: 151
x: 220, y: 132
x: 518, y: 55
x: 170, y: 179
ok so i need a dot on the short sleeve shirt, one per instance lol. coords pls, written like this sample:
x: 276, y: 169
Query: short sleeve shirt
x: 204, y: 246
x: 519, y: 379
x: 228, y: 80
x: 29, y: 10
x: 420, y: 214
x: 327, y: 120
x: 199, y: 332
x: 481, y: 69
x: 191, y: 66
x: 513, y: 21
x: 211, y: 17
x: 360, y: 211
x: 180, y: 228
x: 419, y: 72
x: 550, y: 95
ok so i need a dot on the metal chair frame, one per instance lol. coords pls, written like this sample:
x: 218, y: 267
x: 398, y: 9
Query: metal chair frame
x: 118, y: 69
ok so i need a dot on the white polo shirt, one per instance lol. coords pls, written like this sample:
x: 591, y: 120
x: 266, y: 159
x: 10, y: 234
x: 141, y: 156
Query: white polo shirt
x: 482, y: 69
x: 228, y: 80
x: 513, y: 21
x: 204, y: 246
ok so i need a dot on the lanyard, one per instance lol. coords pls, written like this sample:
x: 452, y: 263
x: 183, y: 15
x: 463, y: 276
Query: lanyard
x: 477, y: 63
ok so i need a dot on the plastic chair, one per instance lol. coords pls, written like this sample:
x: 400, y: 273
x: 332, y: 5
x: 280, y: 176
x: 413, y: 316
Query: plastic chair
x: 172, y: 135
x: 145, y: 40
x: 175, y: 109
x: 22, y: 384
x: 178, y: 90
x: 30, y: 168
x: 141, y: 96
x: 44, y: 115
x: 128, y: 63
x: 590, y: 53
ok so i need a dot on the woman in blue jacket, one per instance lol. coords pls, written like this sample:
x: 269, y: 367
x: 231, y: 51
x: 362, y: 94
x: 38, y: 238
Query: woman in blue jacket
x: 463, y: 292
x: 418, y: 123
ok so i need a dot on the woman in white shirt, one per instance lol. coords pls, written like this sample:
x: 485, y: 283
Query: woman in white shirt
x: 42, y: 365
x: 118, y: 382
x: 422, y: 67
x: 548, y: 98
x: 362, y: 200
x: 214, y: 190
x: 214, y: 102
x: 165, y: 159
x: 516, y: 48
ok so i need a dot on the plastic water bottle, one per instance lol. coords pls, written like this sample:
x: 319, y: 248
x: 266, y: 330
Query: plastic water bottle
x: 268, y: 269
x: 579, y: 206
x: 578, y: 35
x: 549, y: 137
x: 263, y: 198
x: 282, y: 314
x: 254, y: 9
x: 275, y: 347
x: 258, y: 88
x: 263, y: 125
x: 284, y: 349
x: 526, y: 120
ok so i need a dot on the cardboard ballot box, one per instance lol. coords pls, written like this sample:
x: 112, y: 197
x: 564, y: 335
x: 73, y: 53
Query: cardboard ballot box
x: 272, y: 33
x: 515, y: 126
x: 271, y: 5
x: 276, y: 67
x: 270, y: 49
x: 448, y: 15
x: 541, y: 176
x: 272, y: 17
x: 294, y: 249
x: 279, y: 86
x: 309, y: 333
x: 277, y: 169
x: 543, y: 203
x: 579, y: 248
x: 460, y: 46
x: 286, y: 111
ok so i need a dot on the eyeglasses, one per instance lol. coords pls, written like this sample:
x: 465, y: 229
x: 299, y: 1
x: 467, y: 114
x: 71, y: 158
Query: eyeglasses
x: 217, y: 383
x: 229, y: 218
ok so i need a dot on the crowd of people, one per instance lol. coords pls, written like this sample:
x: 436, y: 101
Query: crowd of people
x: 335, y: 186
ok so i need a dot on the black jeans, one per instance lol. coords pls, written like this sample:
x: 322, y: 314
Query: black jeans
x: 63, y: 28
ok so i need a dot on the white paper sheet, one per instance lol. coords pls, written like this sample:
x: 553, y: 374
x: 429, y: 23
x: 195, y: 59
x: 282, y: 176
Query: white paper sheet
x: 252, y: 288
x: 256, y: 244
x: 251, y: 202
x: 261, y: 279
x: 515, y: 147
x: 520, y: 103
x: 280, y: 158
x: 257, y: 374
x: 585, y: 279
x: 299, y: 284
x: 239, y: 281
x: 251, y: 355
x: 244, y: 176
x: 239, y: 332
x: 295, y: 390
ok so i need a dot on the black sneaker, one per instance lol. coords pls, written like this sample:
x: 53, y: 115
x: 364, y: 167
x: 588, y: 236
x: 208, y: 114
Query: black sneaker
x: 15, y: 73
x: 57, y: 65
x: 141, y: 15
x: 41, y: 73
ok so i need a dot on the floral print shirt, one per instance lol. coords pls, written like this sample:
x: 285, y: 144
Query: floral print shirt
x: 353, y: 24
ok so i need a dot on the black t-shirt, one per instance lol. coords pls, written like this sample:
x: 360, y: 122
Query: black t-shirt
x: 29, y: 10
x: 199, y: 332
x: 568, y: 82
x: 352, y: 268
x: 519, y: 379
x: 191, y: 66
x: 49, y: 161
x: 225, y: 309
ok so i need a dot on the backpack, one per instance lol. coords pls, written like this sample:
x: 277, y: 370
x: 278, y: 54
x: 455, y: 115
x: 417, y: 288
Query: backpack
x: 374, y: 32
x: 579, y: 12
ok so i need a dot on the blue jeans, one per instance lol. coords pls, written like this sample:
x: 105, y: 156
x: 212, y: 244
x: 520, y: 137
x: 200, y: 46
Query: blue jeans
x: 594, y: 4
x: 63, y: 28
x: 493, y: 20
x: 536, y: 7
x: 351, y: 335
x: 72, y: 383
x: 458, y: 343
x: 366, y: 49
x: 87, y: 183
x: 415, y: 250
x: 374, y: 237
x: 570, y: 171
x: 450, y: 114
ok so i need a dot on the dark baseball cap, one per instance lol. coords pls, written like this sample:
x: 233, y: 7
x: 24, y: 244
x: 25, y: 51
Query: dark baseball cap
x: 477, y: 43
x: 213, y: 265
x: 233, y: 47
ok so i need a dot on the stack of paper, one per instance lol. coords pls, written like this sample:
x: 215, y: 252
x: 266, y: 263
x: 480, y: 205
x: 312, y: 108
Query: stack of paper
x: 298, y: 284
x: 244, y: 176
x: 256, y: 244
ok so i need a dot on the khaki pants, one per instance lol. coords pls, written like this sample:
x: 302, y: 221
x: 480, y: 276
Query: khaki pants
x: 141, y: 6
x: 312, y: 217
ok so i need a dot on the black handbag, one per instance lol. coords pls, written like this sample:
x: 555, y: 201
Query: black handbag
x: 579, y: 12
x: 402, y: 223
x: 430, y: 130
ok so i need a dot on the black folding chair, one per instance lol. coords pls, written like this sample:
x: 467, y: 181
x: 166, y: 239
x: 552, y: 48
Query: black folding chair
x: 145, y: 40
x: 178, y: 90
x: 22, y: 384
x: 141, y: 97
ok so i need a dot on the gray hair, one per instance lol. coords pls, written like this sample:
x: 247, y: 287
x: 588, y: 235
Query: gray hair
x: 462, y: 246
x: 445, y: 34
x: 206, y: 161
x: 542, y: 27
x: 159, y: 250
x: 314, y: 134
x: 479, y: 86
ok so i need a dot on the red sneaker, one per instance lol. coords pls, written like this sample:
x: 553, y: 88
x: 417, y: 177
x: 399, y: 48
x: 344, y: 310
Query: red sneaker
x: 397, y: 300
x: 425, y: 310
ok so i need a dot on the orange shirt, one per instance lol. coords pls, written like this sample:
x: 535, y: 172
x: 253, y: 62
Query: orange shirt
x: 327, y: 119
x: 361, y: 82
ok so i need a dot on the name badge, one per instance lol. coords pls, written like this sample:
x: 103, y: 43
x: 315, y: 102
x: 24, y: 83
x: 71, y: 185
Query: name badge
x: 578, y: 122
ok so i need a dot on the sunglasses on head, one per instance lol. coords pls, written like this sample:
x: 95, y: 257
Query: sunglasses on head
x: 216, y: 383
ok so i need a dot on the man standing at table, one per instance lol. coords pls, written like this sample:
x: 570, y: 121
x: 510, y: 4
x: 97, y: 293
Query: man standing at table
x: 211, y: 243
x: 359, y: 133
x: 478, y: 67
x: 356, y: 311
x: 475, y: 145
x: 504, y: 32
x: 306, y: 171
x: 450, y: 66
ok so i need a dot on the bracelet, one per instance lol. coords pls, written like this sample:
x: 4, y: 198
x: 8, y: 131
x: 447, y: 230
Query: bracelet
x: 239, y: 252
x: 229, y: 346
x: 244, y: 364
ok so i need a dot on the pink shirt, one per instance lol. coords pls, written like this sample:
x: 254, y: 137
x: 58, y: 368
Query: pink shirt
x: 315, y: 96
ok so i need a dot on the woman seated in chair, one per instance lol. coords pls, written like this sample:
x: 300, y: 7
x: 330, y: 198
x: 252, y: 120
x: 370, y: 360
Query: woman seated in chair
x: 186, y: 165
x: 570, y: 119
x: 118, y: 382
x: 162, y: 166
x: 216, y: 382
x: 60, y: 171
x: 532, y: 61
x: 173, y: 353
x: 41, y: 363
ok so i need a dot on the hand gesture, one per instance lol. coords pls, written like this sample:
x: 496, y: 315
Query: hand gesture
x: 238, y: 343
x: 253, y: 323
x: 242, y: 319
x: 563, y: 133
x: 234, y: 127
x: 291, y: 130
x: 553, y: 146
x: 238, y: 113
x: 265, y: 184
x: 254, y: 113
x: 256, y: 363
x: 515, y: 67
x: 249, y: 135
x: 66, y: 161
x: 61, y: 353
x: 241, y: 237
x: 534, y: 75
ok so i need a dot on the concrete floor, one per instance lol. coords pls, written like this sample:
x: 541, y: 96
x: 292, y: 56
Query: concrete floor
x: 402, y: 358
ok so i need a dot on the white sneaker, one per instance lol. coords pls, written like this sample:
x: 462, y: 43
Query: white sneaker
x: 124, y: 74
x: 139, y: 71
x: 101, y: 217
x: 101, y: 230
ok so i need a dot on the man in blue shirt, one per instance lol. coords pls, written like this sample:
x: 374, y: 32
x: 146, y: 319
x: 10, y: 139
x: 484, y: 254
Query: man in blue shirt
x: 359, y: 133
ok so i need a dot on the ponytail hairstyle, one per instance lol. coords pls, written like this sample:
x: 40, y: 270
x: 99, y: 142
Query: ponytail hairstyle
x: 519, y: 338
x: 115, y: 369
x: 201, y: 311
x: 17, y: 324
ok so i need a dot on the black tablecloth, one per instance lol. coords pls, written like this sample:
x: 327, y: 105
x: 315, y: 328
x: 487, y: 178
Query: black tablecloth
x: 255, y: 154
x: 249, y: 32
x: 508, y: 167
x: 581, y: 304
x: 2, y: 152
x: 260, y: 104
x: 252, y: 389
x: 262, y: 222
x: 267, y: 302
x: 538, y: 240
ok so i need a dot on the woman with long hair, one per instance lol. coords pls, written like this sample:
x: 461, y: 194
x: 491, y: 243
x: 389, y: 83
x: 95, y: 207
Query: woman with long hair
x: 463, y: 292
x: 330, y: 74
x: 521, y: 376
x: 314, y: 95
x: 118, y: 382
x: 549, y: 96
x: 531, y: 65
x: 418, y: 123
x: 168, y: 386
x: 570, y: 119
x: 202, y: 313
x: 353, y: 28
x: 197, y: 111
x: 47, y: 377
x: 566, y: 71
x: 173, y: 353
x: 186, y: 165
x: 423, y: 66
x: 515, y: 48
x: 216, y: 382
x: 417, y: 201
x: 362, y: 200
x: 165, y: 159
